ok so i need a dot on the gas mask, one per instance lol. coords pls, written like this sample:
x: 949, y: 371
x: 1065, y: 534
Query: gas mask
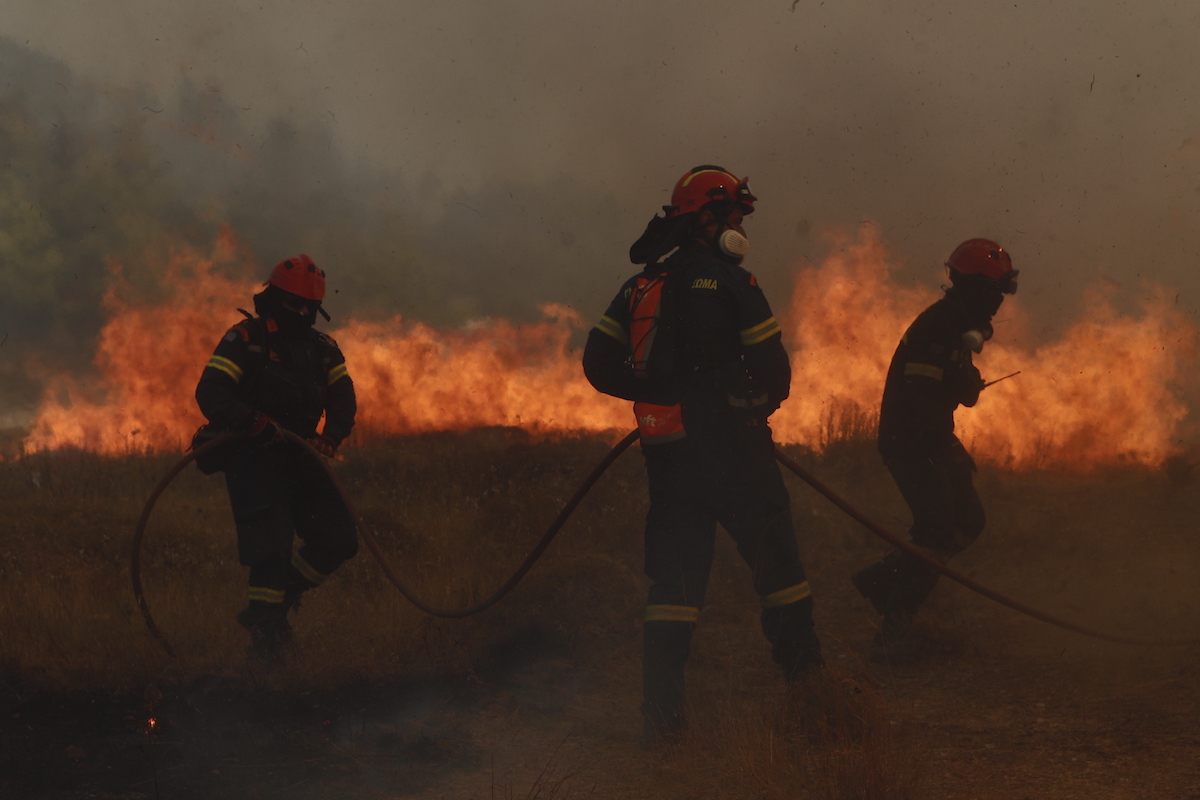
x: 293, y: 314
x: 733, y: 244
x: 973, y: 339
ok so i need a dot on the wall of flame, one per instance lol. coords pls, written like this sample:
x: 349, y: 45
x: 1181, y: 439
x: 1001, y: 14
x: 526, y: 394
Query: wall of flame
x: 1108, y: 390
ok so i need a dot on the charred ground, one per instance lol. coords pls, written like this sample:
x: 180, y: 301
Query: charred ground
x: 537, y: 697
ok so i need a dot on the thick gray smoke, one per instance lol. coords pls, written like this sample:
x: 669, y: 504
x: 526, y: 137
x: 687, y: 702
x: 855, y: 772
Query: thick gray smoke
x: 93, y: 179
x: 456, y: 159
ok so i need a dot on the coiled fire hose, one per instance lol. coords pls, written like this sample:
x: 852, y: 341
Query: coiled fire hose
x: 560, y: 520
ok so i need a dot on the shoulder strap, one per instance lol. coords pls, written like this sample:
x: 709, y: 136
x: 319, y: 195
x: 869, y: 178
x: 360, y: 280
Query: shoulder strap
x: 258, y: 349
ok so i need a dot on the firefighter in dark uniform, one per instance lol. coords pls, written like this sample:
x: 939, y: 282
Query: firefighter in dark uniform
x: 274, y: 372
x: 693, y: 343
x: 931, y: 374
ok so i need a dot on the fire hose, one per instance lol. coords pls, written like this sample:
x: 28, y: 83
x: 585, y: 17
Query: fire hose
x: 544, y: 542
x: 958, y: 577
x: 368, y: 537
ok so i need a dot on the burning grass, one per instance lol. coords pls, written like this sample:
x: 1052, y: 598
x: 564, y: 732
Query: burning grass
x: 1109, y: 390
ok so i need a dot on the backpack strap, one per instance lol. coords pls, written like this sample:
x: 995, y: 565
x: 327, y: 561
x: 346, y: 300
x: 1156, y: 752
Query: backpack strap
x: 257, y: 347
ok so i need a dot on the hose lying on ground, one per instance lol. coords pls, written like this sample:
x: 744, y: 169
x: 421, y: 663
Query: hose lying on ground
x: 954, y: 575
x: 368, y: 537
x: 556, y: 525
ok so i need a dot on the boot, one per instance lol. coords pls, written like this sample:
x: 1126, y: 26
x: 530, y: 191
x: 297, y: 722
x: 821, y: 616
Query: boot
x: 794, y: 643
x: 913, y: 582
x: 665, y: 650
x: 875, y: 583
x: 270, y: 632
x: 293, y: 594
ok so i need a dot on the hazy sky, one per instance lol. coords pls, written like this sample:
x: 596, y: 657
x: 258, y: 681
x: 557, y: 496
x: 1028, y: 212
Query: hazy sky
x: 525, y: 144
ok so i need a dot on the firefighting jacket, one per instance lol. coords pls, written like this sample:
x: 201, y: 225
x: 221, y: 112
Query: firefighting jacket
x: 931, y: 374
x: 293, y: 379
x: 694, y: 332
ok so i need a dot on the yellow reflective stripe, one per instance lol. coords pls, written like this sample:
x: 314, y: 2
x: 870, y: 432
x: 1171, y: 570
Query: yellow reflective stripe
x: 783, y: 597
x: 613, y: 328
x: 225, y: 365
x: 688, y: 179
x: 924, y: 370
x: 672, y: 614
x: 337, y: 373
x: 305, y: 569
x: 760, y: 332
x: 265, y: 594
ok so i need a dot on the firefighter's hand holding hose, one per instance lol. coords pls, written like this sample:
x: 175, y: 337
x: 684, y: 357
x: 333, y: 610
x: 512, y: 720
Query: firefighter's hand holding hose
x: 262, y: 431
x: 323, y: 445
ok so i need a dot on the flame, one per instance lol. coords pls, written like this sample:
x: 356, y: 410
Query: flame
x: 148, y: 359
x: 414, y: 378
x: 1108, y: 390
x: 1105, y: 392
x: 409, y: 377
x: 844, y: 321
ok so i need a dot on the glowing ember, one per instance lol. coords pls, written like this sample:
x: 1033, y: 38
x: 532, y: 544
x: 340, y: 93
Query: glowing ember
x: 1104, y: 393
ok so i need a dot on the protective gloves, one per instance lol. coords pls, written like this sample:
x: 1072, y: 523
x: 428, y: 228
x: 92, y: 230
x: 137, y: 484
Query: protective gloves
x: 323, y: 445
x: 970, y: 384
x: 262, y: 431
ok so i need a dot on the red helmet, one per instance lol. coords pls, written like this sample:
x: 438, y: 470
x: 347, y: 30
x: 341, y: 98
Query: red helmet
x: 706, y: 184
x: 300, y: 276
x: 986, y: 259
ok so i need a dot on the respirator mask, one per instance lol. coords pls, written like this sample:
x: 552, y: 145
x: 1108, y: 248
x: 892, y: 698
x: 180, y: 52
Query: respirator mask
x: 733, y: 244
x: 295, y: 314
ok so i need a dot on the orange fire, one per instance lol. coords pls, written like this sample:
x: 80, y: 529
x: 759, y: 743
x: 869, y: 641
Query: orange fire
x: 148, y: 360
x: 1105, y: 392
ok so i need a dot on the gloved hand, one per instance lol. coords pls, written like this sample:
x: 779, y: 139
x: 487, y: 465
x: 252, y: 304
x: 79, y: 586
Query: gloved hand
x: 262, y: 431
x: 743, y: 393
x: 970, y: 385
x: 323, y: 445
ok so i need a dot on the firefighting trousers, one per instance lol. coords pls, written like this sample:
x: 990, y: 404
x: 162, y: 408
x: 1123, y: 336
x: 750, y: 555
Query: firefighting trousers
x: 278, y: 493
x: 730, y: 478
x: 947, y: 517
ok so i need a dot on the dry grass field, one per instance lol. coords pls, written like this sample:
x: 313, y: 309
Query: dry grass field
x: 537, y: 697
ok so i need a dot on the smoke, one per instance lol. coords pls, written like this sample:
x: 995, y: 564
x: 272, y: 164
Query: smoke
x: 101, y: 181
x: 453, y: 160
x: 77, y: 188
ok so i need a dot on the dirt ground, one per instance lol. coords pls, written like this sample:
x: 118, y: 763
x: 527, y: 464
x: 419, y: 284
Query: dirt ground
x: 540, y: 697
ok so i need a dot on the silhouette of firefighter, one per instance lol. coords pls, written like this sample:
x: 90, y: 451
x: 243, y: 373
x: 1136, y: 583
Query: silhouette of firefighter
x: 270, y: 373
x: 691, y: 340
x: 931, y: 374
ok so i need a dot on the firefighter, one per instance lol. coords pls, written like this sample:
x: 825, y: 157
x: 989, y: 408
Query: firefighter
x: 270, y: 373
x: 692, y: 342
x: 931, y: 374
